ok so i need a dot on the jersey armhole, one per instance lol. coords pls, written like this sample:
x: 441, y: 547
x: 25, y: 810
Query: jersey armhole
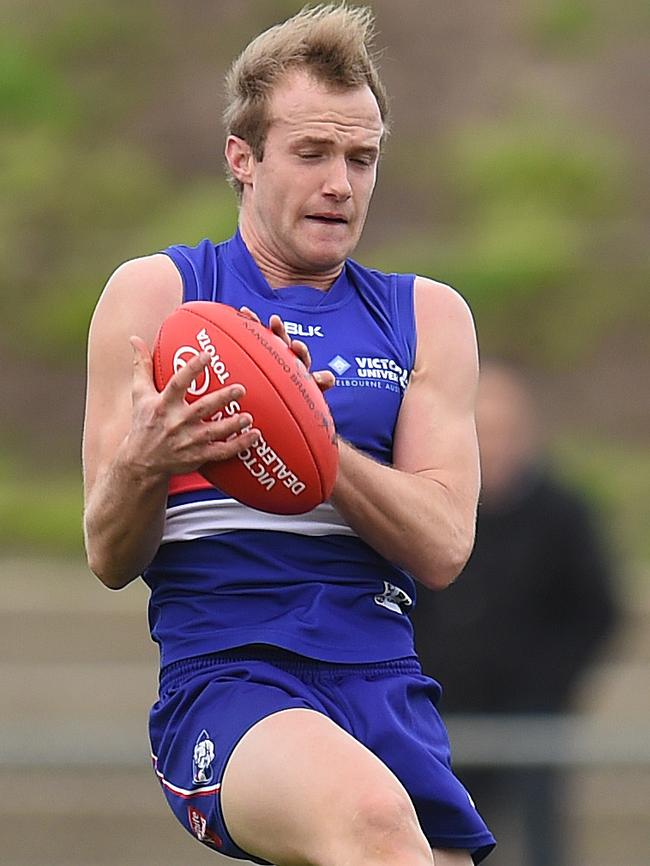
x: 198, y: 269
x: 404, y: 309
x: 185, y: 268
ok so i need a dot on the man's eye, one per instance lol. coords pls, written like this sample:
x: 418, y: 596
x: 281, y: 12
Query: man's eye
x: 365, y: 161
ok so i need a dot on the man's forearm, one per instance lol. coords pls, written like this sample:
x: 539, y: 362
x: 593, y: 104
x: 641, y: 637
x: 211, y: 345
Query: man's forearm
x: 123, y: 521
x: 409, y: 519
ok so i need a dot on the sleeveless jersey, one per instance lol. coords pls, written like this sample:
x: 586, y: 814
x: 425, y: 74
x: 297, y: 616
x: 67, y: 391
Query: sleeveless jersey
x: 226, y: 575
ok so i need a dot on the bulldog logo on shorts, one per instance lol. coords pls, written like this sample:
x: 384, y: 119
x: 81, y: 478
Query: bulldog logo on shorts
x: 202, y: 759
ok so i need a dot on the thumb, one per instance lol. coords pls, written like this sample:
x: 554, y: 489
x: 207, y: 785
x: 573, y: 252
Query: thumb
x: 325, y: 379
x: 142, y: 363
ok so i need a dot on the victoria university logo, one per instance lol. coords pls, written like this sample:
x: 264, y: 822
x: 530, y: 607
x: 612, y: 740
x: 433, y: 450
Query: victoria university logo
x: 369, y: 372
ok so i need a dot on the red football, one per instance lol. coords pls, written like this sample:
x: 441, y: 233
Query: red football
x: 293, y: 467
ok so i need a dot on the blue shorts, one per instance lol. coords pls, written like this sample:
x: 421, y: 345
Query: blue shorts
x: 208, y: 703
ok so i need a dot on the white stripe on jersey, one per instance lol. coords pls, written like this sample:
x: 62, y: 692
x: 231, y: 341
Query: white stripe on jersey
x: 194, y: 520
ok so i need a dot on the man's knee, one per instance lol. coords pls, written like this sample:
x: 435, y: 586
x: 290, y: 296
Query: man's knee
x: 383, y: 828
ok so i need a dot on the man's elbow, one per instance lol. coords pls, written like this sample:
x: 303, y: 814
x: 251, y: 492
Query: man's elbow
x: 441, y: 567
x: 105, y: 571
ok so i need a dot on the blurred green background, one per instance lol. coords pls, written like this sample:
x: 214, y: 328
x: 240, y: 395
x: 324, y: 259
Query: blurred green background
x: 515, y: 172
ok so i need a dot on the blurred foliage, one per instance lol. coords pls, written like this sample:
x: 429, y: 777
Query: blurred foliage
x: 530, y: 199
x: 565, y: 24
x: 79, y: 195
x: 576, y: 27
x: 31, y: 92
x: 58, y: 316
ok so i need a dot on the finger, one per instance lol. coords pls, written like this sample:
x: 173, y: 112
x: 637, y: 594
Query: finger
x: 141, y: 353
x: 325, y: 379
x: 220, y: 431
x: 277, y: 326
x: 300, y: 349
x: 251, y: 314
x: 225, y: 398
x: 174, y: 390
x: 234, y: 445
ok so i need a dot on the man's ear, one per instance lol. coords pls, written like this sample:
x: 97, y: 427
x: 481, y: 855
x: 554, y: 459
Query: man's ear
x: 239, y: 157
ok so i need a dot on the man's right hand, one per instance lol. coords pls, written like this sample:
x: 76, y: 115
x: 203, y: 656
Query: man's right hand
x: 169, y: 436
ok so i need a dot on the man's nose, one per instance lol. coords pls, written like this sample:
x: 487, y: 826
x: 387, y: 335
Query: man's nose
x: 337, y: 182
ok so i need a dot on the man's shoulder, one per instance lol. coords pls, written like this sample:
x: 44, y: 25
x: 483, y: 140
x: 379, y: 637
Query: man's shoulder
x: 443, y: 314
x: 143, y: 270
x: 150, y: 284
x: 440, y: 293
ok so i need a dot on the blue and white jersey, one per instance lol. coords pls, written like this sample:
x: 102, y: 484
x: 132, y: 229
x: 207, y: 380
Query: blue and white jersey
x: 227, y: 575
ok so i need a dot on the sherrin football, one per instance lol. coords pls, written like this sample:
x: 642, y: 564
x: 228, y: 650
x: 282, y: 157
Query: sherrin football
x: 293, y: 467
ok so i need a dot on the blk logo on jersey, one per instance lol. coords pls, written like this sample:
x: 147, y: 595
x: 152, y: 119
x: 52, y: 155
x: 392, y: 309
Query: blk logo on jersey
x: 393, y: 598
x: 297, y: 329
x: 202, y: 759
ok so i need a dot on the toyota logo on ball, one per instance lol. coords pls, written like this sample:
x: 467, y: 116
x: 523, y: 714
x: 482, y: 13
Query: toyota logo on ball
x: 182, y: 357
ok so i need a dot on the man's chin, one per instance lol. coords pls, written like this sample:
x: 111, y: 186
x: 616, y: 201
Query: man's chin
x: 325, y: 254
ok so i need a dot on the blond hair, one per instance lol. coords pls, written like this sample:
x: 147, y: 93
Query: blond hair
x: 333, y: 42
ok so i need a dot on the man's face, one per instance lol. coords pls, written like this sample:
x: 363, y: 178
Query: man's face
x: 307, y: 199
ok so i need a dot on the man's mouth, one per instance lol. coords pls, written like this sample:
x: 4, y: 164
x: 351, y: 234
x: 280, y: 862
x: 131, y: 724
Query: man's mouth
x: 328, y: 218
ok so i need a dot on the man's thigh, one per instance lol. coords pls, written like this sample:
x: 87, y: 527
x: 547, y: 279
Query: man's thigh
x: 299, y: 789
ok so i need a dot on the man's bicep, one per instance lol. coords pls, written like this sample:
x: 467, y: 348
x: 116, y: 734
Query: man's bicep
x: 436, y: 432
x: 437, y: 439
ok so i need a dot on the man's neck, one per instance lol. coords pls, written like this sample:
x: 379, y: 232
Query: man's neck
x: 279, y: 274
